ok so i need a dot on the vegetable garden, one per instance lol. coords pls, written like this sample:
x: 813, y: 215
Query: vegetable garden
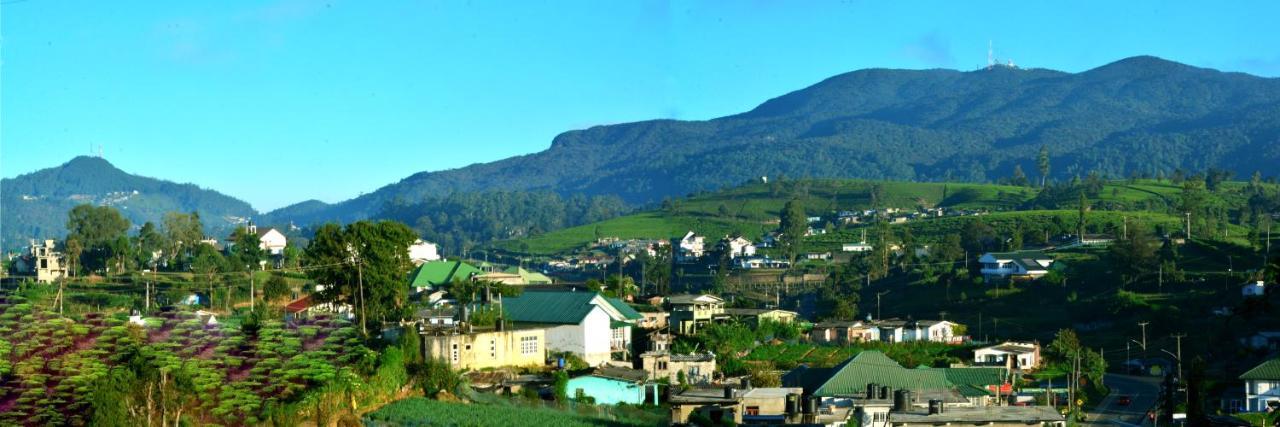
x: 64, y: 371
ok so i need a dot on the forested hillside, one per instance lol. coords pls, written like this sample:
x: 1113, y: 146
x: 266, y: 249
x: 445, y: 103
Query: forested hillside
x: 1139, y: 116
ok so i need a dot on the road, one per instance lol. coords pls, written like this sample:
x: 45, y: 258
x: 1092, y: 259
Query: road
x: 1142, y: 390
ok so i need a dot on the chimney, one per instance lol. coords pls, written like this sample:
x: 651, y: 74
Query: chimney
x: 935, y: 406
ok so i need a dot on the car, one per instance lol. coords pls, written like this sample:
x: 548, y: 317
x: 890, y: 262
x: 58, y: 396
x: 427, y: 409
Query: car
x: 1124, y: 400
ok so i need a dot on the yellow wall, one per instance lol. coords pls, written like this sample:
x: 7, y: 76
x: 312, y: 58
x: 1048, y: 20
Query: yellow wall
x: 488, y: 349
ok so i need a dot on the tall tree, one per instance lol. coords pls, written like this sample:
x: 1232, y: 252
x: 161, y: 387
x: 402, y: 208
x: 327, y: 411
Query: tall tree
x: 1042, y: 161
x: 184, y: 232
x: 149, y: 241
x: 98, y: 229
x: 1019, y: 177
x: 793, y: 223
x: 246, y: 249
x: 364, y: 264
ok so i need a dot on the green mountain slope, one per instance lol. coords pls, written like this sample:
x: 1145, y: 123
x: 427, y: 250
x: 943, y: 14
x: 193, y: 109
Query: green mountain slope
x: 36, y: 204
x: 1138, y: 115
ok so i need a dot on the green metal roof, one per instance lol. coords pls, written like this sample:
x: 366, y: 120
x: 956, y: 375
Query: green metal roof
x: 1269, y: 370
x: 529, y: 277
x: 549, y: 307
x: 852, y: 377
x: 437, y: 273
x: 624, y: 308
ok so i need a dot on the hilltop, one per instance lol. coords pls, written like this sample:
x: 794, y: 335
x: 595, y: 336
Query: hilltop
x: 36, y: 204
x: 918, y: 125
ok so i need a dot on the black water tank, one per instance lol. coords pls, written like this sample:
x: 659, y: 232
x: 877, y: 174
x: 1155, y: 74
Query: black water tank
x: 793, y: 404
x: 871, y: 391
x: 902, y: 400
x: 884, y: 392
x: 728, y: 392
x: 935, y: 406
x: 811, y: 404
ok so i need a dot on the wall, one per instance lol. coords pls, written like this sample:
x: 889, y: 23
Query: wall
x: 607, y: 391
x: 487, y: 349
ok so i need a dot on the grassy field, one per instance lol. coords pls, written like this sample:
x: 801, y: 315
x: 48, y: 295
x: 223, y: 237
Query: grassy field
x: 753, y: 210
x: 419, y: 411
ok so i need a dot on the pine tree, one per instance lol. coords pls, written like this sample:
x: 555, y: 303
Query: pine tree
x: 1043, y: 163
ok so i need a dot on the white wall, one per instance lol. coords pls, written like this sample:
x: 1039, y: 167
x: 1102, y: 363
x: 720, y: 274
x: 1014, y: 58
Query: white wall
x: 589, y: 340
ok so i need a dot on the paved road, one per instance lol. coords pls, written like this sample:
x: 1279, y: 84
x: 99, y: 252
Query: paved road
x: 1142, y: 390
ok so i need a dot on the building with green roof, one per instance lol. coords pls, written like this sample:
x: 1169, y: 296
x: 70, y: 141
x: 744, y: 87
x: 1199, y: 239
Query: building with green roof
x: 588, y: 324
x: 849, y: 381
x: 436, y: 273
x: 1262, y: 385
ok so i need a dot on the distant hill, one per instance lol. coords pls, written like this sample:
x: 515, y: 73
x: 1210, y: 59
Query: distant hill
x: 36, y: 204
x: 1141, y: 114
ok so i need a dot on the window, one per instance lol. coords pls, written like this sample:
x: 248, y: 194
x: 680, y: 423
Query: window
x: 493, y: 349
x: 528, y: 345
x: 454, y: 354
x: 662, y: 365
x: 753, y: 410
x: 44, y: 263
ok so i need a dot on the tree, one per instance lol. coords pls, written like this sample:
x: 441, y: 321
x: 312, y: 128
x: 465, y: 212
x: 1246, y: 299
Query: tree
x: 183, y: 232
x: 276, y: 288
x: 207, y: 264
x: 1084, y: 208
x: 1042, y: 161
x: 149, y: 241
x: 364, y: 264
x: 793, y: 223
x: 98, y: 229
x: 1136, y: 253
x: 1019, y: 177
x: 246, y: 249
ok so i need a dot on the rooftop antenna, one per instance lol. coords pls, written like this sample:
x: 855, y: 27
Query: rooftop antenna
x: 99, y: 151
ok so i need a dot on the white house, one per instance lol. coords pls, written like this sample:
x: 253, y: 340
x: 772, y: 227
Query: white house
x: 738, y: 247
x: 691, y: 247
x: 1014, y: 355
x: 1262, y: 386
x: 930, y: 330
x: 754, y: 262
x: 1019, y: 264
x: 423, y: 251
x: 1255, y: 289
x: 856, y: 247
x: 270, y: 240
x: 586, y: 324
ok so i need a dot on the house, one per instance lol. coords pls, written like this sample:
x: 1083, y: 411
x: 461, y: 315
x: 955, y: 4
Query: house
x: 586, y: 324
x: 481, y: 349
x: 889, y: 330
x: 423, y: 251
x: 690, y: 248
x: 611, y: 386
x: 1096, y: 239
x: 1015, y: 265
x: 307, y: 306
x: 688, y: 312
x: 870, y: 377
x: 1043, y: 416
x: 856, y: 247
x: 736, y: 246
x: 46, y: 262
x: 429, y: 275
x: 1255, y: 289
x: 270, y: 240
x: 755, y: 315
x: 840, y: 332
x: 1262, y: 386
x: 697, y: 368
x: 653, y: 319
x: 756, y: 262
x: 1011, y: 355
x: 515, y: 276
x: 931, y: 330
x: 817, y: 256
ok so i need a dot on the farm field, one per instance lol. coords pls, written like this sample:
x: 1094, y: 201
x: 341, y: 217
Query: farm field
x: 72, y: 371
x: 423, y: 412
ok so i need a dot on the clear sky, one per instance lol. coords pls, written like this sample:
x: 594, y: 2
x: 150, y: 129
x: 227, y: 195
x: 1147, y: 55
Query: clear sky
x: 282, y: 101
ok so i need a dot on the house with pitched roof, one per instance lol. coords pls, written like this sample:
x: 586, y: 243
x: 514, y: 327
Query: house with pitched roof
x: 870, y: 377
x: 586, y: 324
x: 429, y: 275
x: 1012, y: 355
x: 1015, y: 265
x: 1262, y: 386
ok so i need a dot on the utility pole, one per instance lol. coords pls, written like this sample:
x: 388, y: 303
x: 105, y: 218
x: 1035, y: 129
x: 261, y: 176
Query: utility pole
x: 1188, y: 226
x: 251, y: 290
x: 1125, y: 228
x: 1160, y: 283
x: 878, y: 295
x: 1179, y: 338
x: 1144, y: 337
x: 360, y: 279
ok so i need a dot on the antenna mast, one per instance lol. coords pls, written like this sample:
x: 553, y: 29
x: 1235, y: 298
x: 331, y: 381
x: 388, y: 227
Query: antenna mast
x: 991, y: 55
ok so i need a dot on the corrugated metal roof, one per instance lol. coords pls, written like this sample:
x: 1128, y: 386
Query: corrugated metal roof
x: 441, y: 272
x: 549, y: 307
x: 872, y: 366
x: 624, y: 308
x: 1269, y: 370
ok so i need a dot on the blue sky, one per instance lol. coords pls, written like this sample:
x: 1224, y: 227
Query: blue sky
x: 282, y: 101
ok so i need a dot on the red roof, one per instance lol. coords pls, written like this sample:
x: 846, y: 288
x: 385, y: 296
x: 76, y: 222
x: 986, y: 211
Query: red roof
x: 299, y: 305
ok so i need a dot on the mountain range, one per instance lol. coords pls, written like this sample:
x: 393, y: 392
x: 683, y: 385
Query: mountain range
x: 1141, y: 115
x: 35, y: 205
